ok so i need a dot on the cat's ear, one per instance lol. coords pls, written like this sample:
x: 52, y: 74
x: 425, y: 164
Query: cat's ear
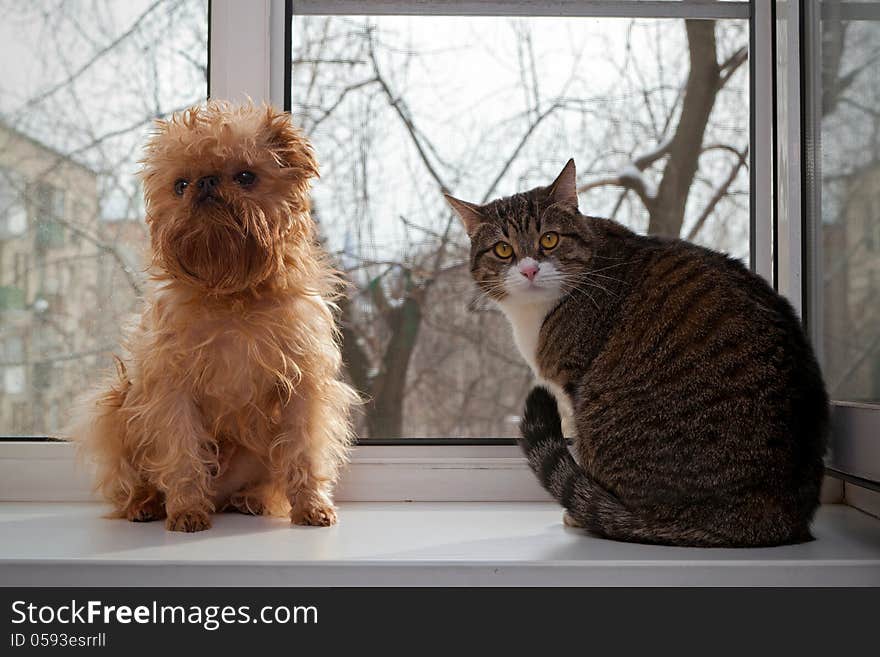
x: 564, y: 188
x: 470, y: 214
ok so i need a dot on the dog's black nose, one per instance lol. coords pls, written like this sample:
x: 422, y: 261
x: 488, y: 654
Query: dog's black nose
x: 206, y: 188
x: 207, y: 183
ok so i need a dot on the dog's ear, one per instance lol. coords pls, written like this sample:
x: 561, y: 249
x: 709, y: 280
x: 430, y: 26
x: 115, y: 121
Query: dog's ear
x: 287, y: 144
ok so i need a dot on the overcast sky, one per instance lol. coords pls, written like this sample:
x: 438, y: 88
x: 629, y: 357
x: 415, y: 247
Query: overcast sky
x: 463, y: 89
x: 465, y: 92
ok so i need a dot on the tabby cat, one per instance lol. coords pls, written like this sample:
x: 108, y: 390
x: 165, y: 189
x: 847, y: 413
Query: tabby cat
x: 699, y: 409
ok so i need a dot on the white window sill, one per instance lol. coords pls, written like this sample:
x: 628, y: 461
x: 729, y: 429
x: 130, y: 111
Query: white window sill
x: 403, y: 544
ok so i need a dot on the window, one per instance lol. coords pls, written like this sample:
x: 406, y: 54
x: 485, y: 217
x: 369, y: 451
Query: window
x: 20, y: 277
x: 13, y: 217
x: 47, y: 202
x: 88, y: 81
x: 843, y: 215
x: 14, y: 374
x: 484, y: 98
x: 848, y: 214
x: 400, y: 107
x: 19, y: 417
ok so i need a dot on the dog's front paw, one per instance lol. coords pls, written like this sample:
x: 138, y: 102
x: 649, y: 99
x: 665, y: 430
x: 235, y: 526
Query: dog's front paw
x: 314, y: 512
x: 145, y: 510
x: 188, y: 521
x: 249, y: 504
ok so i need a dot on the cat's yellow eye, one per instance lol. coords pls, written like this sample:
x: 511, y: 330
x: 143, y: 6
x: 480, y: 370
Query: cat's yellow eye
x: 503, y: 250
x: 549, y: 240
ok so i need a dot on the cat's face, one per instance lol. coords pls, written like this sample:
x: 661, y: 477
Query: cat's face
x: 531, y: 247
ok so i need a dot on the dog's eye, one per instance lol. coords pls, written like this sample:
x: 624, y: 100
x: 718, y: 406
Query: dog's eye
x: 245, y: 178
x: 180, y: 186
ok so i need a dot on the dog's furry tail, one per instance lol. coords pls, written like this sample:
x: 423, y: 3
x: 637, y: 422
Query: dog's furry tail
x: 97, y: 430
x: 122, y: 376
x: 112, y: 396
x: 95, y: 408
x: 587, y: 502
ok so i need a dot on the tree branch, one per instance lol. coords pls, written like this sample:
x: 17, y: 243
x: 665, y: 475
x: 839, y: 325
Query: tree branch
x: 516, y: 151
x: 701, y: 89
x: 399, y: 108
x: 720, y: 193
x: 731, y: 64
x: 97, y: 56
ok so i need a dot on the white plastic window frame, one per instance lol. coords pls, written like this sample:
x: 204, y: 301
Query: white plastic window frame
x: 854, y: 450
x: 248, y: 48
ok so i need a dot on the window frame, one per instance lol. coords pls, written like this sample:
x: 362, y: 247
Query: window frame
x: 854, y: 443
x: 760, y: 133
x: 256, y: 36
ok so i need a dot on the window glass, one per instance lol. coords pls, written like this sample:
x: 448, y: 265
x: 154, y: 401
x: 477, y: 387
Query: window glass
x: 845, y: 98
x: 88, y: 79
x: 400, y: 107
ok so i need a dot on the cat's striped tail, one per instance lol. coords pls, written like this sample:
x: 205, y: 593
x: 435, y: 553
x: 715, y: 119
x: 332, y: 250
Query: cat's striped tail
x: 587, y: 502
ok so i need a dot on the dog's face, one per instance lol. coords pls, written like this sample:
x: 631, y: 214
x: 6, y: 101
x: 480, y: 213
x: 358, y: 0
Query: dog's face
x: 226, y: 191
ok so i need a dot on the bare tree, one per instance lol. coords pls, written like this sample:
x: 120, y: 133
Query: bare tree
x: 680, y: 151
x: 92, y: 76
x: 425, y: 365
x: 649, y: 146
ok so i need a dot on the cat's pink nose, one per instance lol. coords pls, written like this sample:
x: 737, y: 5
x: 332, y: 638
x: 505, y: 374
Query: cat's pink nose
x: 529, y: 271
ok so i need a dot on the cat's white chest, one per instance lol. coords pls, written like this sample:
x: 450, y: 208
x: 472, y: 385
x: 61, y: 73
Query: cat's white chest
x: 526, y: 321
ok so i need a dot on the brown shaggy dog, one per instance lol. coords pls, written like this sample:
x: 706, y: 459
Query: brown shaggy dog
x: 230, y: 394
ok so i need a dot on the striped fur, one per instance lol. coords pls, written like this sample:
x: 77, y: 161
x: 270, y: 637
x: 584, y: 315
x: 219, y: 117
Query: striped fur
x: 587, y: 502
x: 700, y: 416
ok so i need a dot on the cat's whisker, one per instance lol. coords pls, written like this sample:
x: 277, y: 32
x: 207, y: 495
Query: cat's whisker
x: 568, y: 289
x: 584, y: 280
x: 598, y: 286
x: 579, y: 281
x: 618, y: 264
x: 610, y: 278
x: 594, y: 273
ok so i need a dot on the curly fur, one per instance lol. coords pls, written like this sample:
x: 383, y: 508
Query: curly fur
x: 229, y: 395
